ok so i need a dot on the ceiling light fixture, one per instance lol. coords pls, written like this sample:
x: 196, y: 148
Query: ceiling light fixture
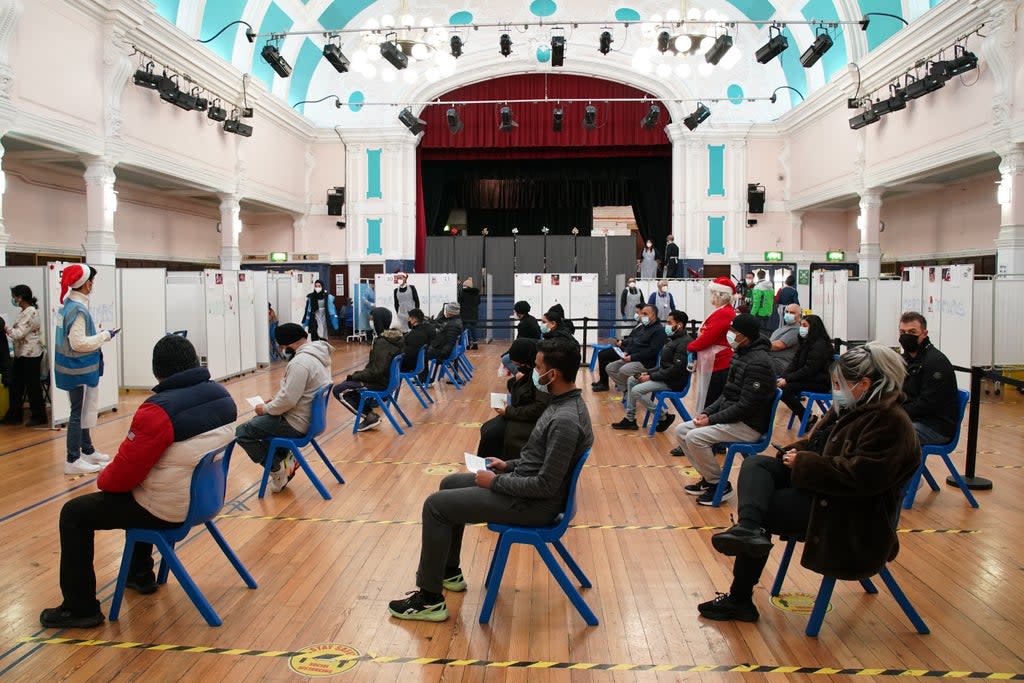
x: 604, y: 44
x: 456, y: 46
x: 216, y: 112
x: 664, y: 41
x: 963, y: 61
x: 394, y: 55
x: 590, y: 117
x: 775, y: 46
x: 722, y: 44
x: 699, y: 115
x: 893, y: 103
x: 557, y: 50
x: 866, y: 118
x: 336, y: 58
x: 273, y: 57
x: 145, y: 78
x: 507, y: 125
x: 238, y: 128
x: 822, y: 43
x: 505, y: 45
x: 650, y: 120
x: 415, y: 124
x: 455, y: 124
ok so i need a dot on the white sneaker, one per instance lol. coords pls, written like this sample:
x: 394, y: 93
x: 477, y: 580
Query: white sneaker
x: 96, y: 458
x: 81, y: 466
x: 278, y: 479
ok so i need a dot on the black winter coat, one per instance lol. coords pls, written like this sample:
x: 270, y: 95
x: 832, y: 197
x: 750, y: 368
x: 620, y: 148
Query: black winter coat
x: 562, y: 331
x: 378, y: 369
x: 446, y: 337
x: 528, y: 328
x: 749, y: 389
x: 858, y: 481
x: 644, y: 344
x: 416, y: 338
x: 469, y: 303
x: 810, y: 364
x: 672, y: 368
x: 522, y: 413
x: 931, y: 390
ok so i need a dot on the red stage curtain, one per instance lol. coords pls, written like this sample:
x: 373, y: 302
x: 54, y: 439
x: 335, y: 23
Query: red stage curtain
x: 421, y: 218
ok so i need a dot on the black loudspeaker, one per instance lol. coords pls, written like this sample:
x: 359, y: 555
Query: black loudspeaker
x: 755, y: 198
x: 335, y: 201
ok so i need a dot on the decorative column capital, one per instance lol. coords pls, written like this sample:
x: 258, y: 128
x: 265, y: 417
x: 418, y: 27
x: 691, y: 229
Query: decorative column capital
x: 871, y: 198
x: 1011, y: 160
x: 676, y: 133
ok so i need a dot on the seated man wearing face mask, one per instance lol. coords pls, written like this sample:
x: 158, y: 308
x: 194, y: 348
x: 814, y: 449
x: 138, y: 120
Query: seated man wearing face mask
x: 287, y: 415
x: 930, y: 387
x: 644, y: 349
x: 605, y: 357
x: 785, y: 338
x: 740, y: 414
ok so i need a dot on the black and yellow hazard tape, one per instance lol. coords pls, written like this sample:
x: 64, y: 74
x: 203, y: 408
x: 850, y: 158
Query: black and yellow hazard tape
x: 533, y: 664
x: 628, y: 466
x: 603, y: 527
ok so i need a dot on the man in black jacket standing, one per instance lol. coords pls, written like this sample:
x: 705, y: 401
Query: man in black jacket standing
x: 740, y: 414
x: 418, y: 336
x: 671, y: 257
x: 932, y: 402
x: 670, y: 375
x: 644, y: 348
x: 469, y: 301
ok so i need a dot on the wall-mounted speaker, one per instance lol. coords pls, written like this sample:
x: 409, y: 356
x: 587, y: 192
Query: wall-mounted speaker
x: 755, y: 198
x: 336, y: 201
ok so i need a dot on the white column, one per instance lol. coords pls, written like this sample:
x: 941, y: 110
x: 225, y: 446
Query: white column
x: 736, y: 197
x: 300, y: 235
x: 675, y: 133
x: 694, y: 244
x: 796, y: 231
x: 230, y: 229
x: 4, y: 236
x: 870, y: 254
x: 1010, y: 242
x: 407, y: 248
x: 100, y: 207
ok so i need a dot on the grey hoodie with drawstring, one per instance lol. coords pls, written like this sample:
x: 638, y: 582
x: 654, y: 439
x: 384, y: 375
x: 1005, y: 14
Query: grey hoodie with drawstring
x: 307, y: 371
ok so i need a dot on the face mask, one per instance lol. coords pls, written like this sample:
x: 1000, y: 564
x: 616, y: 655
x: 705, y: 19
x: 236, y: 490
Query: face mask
x: 289, y: 354
x: 730, y: 336
x: 645, y: 320
x: 551, y: 327
x: 789, y: 318
x: 661, y: 289
x: 632, y: 286
x: 669, y: 330
x: 536, y: 381
x: 909, y: 342
x: 803, y: 331
x: 636, y: 317
x: 318, y: 289
x: 649, y: 245
x: 750, y: 280
x: 842, y: 400
x: 14, y: 302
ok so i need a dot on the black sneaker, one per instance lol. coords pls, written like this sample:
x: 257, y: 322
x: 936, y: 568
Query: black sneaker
x: 625, y: 423
x: 708, y: 497
x: 144, y: 584
x: 739, y: 540
x: 698, y: 488
x: 665, y: 422
x: 726, y: 608
x: 61, y: 617
x: 417, y: 608
x: 368, y: 421
x: 677, y: 452
x: 600, y: 386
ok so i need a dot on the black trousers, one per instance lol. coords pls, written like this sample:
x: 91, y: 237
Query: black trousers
x: 492, y: 438
x: 25, y: 380
x: 791, y: 394
x: 716, y: 385
x: 767, y: 499
x: 79, y: 519
x: 604, y: 357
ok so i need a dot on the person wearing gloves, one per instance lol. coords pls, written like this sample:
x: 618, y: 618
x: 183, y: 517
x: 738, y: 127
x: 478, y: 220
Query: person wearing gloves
x: 78, y: 365
x: 406, y: 298
x: 505, y: 433
x: 469, y: 309
x: 374, y: 377
x: 147, y: 485
x: 319, y: 307
x: 28, y: 357
x: 288, y: 413
x: 530, y: 490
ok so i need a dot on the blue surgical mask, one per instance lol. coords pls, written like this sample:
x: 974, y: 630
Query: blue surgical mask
x: 803, y: 331
x: 536, y: 381
x: 636, y: 317
x: 789, y: 318
x: 14, y: 302
x: 730, y: 337
x: 842, y: 400
x: 669, y: 330
x: 645, y: 320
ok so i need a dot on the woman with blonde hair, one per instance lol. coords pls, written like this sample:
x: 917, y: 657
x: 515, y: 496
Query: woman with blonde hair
x: 839, y: 489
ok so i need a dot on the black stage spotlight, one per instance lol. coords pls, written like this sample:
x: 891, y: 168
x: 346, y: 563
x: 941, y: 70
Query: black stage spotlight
x: 664, y: 41
x: 893, y: 103
x: 335, y: 57
x: 455, y: 124
x: 556, y: 119
x: 775, y: 46
x: 169, y: 89
x: 456, y: 46
x: 202, y: 103
x: 819, y: 47
x: 414, y: 124
x: 865, y: 119
x: 145, y: 77
x: 216, y: 112
x: 184, y: 100
x: 238, y: 128
x: 605, y: 42
x: 272, y: 57
x: 507, y: 125
x: 919, y: 87
x: 505, y: 45
x: 391, y: 52
x: 590, y: 117
x: 699, y: 115
x: 557, y: 50
x: 722, y: 44
x: 650, y: 120
x: 963, y: 61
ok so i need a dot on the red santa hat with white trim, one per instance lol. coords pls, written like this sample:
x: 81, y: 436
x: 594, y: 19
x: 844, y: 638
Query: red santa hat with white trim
x: 722, y: 284
x: 73, y: 277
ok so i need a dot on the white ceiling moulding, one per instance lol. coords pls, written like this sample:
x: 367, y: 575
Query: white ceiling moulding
x: 199, y: 177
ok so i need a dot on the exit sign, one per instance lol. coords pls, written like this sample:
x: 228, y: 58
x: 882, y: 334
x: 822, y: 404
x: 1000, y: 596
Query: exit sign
x: 771, y: 256
x: 278, y: 256
x: 835, y: 256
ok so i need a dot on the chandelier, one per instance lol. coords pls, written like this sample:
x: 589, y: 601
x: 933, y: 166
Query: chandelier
x: 423, y: 45
x: 678, y: 43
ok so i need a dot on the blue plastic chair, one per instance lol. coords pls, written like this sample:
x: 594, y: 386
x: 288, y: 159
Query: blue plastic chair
x: 317, y: 425
x: 463, y: 363
x: 539, y: 538
x: 943, y: 451
x: 823, y: 401
x: 447, y: 367
x: 676, y: 397
x: 745, y: 449
x: 412, y: 380
x: 206, y: 499
x: 384, y: 398
x: 596, y: 349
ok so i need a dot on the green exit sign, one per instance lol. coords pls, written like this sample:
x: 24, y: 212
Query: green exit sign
x: 278, y: 256
x: 835, y: 256
x: 771, y: 256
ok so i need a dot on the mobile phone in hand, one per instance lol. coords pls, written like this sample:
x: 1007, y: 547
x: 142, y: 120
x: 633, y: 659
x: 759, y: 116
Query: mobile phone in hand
x: 779, y: 450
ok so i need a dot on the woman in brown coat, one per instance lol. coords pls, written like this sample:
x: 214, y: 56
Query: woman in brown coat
x: 839, y: 490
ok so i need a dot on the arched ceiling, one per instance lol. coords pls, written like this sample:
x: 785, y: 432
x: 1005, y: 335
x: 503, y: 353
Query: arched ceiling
x: 312, y: 77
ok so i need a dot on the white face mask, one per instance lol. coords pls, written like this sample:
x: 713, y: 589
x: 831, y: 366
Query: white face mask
x: 804, y: 331
x: 730, y: 337
x: 318, y: 289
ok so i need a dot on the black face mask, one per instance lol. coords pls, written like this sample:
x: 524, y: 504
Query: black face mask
x: 910, y: 343
x: 289, y: 354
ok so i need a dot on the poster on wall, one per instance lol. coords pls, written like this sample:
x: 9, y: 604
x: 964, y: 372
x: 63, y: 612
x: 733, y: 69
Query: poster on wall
x: 339, y: 284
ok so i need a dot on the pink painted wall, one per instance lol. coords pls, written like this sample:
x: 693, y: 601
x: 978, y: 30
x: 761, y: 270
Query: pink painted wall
x: 829, y: 230
x: 277, y: 160
x: 822, y: 152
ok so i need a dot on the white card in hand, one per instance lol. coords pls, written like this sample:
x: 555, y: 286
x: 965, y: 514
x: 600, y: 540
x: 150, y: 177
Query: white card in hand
x: 475, y: 463
x: 499, y: 400
x: 254, y: 401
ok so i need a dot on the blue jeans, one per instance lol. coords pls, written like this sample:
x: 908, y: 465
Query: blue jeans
x: 79, y: 440
x: 642, y: 392
x: 254, y: 437
x: 509, y: 365
x: 928, y: 436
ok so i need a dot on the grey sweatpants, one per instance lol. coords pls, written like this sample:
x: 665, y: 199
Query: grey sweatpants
x: 620, y: 371
x: 696, y: 443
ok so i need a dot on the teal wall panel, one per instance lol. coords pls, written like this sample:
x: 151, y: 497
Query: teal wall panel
x: 373, y: 236
x: 305, y: 65
x: 796, y: 75
x: 373, y: 185
x: 716, y: 235
x: 217, y: 15
x: 881, y: 28
x: 168, y: 9
x: 716, y: 170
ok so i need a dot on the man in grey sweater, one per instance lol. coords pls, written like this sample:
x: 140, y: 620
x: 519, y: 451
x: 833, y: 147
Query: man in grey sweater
x: 530, y: 490
x: 288, y: 413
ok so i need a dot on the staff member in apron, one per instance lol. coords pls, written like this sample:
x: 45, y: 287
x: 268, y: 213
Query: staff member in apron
x: 406, y: 299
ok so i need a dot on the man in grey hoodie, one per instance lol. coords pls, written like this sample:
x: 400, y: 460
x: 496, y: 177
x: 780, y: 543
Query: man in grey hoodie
x: 288, y: 413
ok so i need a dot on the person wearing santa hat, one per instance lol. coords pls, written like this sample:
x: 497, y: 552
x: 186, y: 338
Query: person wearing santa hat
x: 406, y: 298
x: 78, y: 365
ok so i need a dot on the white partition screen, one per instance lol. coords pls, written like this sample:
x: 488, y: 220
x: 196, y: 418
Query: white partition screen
x: 186, y: 308
x: 955, y: 313
x: 583, y: 300
x: 216, y: 348
x: 247, y: 311
x: 232, y: 323
x: 576, y: 292
x: 931, y: 300
x: 912, y: 290
x: 444, y: 287
x: 888, y: 303
x: 858, y: 314
x: 142, y: 294
x: 34, y: 277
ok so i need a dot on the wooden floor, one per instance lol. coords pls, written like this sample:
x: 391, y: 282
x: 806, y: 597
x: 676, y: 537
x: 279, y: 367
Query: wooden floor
x: 327, y: 580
